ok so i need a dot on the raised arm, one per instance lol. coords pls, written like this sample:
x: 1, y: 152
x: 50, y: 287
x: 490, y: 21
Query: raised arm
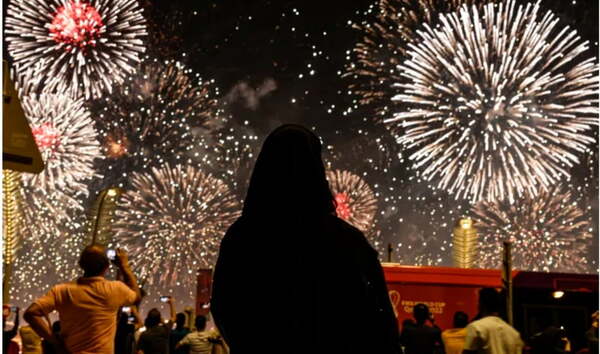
x: 122, y: 261
x: 37, y: 319
x: 172, y: 309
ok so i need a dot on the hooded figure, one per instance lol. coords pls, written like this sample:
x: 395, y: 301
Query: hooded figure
x: 291, y: 276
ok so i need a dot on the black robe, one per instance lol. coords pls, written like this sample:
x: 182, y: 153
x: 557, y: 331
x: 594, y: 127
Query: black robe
x: 301, y: 287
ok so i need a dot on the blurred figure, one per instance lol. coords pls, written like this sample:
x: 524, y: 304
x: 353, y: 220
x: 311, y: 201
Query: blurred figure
x: 87, y: 306
x: 178, y: 333
x: 155, y: 339
x: 31, y: 343
x: 320, y: 288
x: 199, y: 341
x: 490, y: 334
x: 592, y: 334
x: 551, y: 340
x: 421, y: 338
x: 127, y: 323
x: 454, y: 339
x: 9, y: 334
x: 48, y: 348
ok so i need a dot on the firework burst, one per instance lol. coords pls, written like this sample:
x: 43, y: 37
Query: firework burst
x: 355, y: 200
x: 374, y: 60
x: 73, y: 46
x: 549, y: 232
x: 496, y: 104
x: 65, y: 135
x: 173, y: 219
x: 154, y: 115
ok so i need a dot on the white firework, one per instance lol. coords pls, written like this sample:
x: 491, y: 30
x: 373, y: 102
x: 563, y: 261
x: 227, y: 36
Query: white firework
x: 75, y: 46
x: 173, y: 219
x: 67, y: 140
x: 496, y: 103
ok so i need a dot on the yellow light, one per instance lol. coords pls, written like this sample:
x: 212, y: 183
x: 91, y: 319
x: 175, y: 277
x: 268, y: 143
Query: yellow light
x: 112, y: 192
x: 558, y: 294
x: 466, y: 223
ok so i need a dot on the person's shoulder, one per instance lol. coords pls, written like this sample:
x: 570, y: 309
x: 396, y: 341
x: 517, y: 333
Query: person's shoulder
x: 344, y: 229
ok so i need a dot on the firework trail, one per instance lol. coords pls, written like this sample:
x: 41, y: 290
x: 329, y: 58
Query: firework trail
x: 550, y: 232
x: 75, y: 47
x: 173, y: 219
x: 154, y: 116
x: 499, y: 103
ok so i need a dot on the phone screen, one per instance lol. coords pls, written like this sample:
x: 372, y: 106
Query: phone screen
x: 111, y: 254
x: 126, y: 309
x: 164, y: 298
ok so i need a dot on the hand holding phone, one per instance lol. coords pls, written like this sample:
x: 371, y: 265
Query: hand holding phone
x: 165, y: 298
x: 111, y: 254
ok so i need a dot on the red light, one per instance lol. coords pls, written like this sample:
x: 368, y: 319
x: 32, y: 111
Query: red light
x: 77, y: 25
x: 342, y: 206
x: 46, y: 136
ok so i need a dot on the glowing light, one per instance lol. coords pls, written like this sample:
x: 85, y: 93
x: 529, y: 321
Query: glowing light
x: 75, y: 47
x: 549, y: 232
x: 76, y: 24
x: 357, y: 202
x: 483, y: 114
x: 558, y: 294
x: 46, y: 136
x: 173, y: 219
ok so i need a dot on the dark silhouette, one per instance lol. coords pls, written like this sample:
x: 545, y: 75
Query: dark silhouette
x: 420, y: 338
x: 8, y: 335
x: 178, y: 334
x: 291, y: 277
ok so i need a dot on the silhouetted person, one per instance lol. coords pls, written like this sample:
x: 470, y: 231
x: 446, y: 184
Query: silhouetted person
x: 454, y: 338
x: 490, y: 334
x: 199, y: 341
x: 47, y: 347
x: 178, y: 333
x: 155, y: 339
x: 591, y: 335
x: 292, y: 277
x: 87, y: 307
x: 421, y: 338
x: 8, y: 335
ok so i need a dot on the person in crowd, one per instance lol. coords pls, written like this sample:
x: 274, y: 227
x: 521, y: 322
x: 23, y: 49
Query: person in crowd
x: 47, y: 347
x: 87, y: 306
x: 178, y: 333
x: 454, y: 338
x: 8, y: 334
x: 199, y: 341
x: 421, y: 338
x: 490, y: 334
x: 127, y: 323
x: 592, y: 334
x: 315, y: 279
x: 155, y: 339
x: 31, y: 343
x: 551, y: 340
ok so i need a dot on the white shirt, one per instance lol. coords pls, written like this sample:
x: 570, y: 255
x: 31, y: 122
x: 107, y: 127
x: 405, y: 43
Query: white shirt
x: 491, y: 335
x: 198, y: 342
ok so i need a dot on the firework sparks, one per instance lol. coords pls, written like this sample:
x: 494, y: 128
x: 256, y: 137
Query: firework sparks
x: 173, y: 219
x: 355, y: 200
x: 153, y: 114
x: 373, y: 62
x: 75, y: 46
x: 65, y: 135
x: 485, y: 116
x: 549, y: 232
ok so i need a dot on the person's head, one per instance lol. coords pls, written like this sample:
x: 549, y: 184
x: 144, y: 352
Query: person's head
x: 180, y: 320
x: 461, y: 320
x: 289, y: 176
x: 421, y: 313
x: 93, y: 261
x: 200, y: 323
x: 489, y: 301
x: 153, y: 318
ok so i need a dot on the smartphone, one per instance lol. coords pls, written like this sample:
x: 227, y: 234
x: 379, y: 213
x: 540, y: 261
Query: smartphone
x: 131, y: 319
x: 126, y: 309
x: 164, y: 298
x: 13, y: 309
x: 111, y: 254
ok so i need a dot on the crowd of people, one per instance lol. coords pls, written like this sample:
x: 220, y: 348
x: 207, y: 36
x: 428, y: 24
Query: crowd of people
x: 291, y: 277
x: 101, y: 316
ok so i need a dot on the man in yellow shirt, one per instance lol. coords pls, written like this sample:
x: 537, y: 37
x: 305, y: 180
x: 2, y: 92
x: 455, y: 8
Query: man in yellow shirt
x: 454, y: 339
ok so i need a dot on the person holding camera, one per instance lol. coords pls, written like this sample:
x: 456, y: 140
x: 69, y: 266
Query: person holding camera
x: 86, y: 306
x: 420, y: 338
x: 156, y: 338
